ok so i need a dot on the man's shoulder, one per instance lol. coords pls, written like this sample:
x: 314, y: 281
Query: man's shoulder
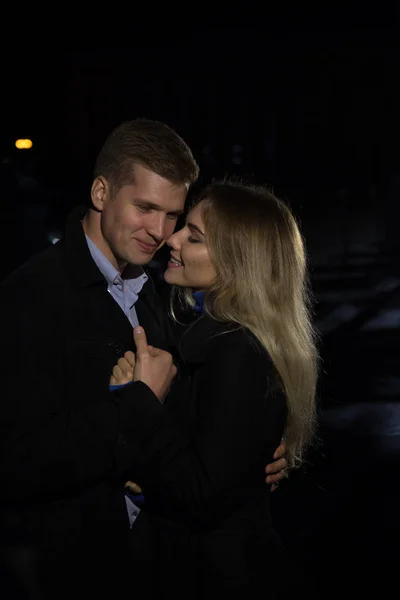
x: 40, y: 271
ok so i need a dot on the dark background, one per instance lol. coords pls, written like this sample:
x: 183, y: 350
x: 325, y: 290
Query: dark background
x: 306, y: 100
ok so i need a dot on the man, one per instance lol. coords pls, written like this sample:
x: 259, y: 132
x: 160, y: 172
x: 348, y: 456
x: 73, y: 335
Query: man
x: 67, y: 316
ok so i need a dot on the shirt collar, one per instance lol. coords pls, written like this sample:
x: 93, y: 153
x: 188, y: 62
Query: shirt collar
x: 110, y: 273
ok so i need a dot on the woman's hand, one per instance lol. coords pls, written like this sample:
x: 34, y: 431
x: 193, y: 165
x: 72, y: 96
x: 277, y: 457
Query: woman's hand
x: 133, y: 488
x: 123, y: 371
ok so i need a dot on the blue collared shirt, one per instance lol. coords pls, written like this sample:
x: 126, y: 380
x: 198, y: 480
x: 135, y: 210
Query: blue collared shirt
x: 125, y: 292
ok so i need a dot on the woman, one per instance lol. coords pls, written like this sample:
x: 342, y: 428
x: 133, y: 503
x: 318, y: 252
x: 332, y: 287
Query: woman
x: 246, y: 377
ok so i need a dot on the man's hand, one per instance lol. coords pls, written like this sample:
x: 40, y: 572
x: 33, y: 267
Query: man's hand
x: 153, y: 366
x: 277, y: 470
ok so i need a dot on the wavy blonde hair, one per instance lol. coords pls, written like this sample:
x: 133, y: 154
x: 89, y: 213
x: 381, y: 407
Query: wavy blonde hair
x: 259, y: 256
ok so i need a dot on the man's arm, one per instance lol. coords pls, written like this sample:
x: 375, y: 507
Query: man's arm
x: 275, y: 471
x: 49, y: 448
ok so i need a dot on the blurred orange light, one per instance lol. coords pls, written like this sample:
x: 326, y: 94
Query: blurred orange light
x: 24, y: 144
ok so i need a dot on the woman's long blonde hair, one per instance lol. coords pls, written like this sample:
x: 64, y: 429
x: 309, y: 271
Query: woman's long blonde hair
x: 258, y: 253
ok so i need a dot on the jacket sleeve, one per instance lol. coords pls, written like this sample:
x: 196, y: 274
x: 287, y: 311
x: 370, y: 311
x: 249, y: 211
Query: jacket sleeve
x: 46, y: 449
x: 238, y: 426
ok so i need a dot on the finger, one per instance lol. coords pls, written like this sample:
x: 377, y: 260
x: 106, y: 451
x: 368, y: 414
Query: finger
x: 276, y: 478
x: 121, y: 377
x: 113, y: 381
x: 117, y: 373
x: 125, y: 367
x: 126, y: 376
x: 276, y: 466
x: 130, y: 358
x: 139, y: 336
x: 133, y: 487
x: 280, y: 451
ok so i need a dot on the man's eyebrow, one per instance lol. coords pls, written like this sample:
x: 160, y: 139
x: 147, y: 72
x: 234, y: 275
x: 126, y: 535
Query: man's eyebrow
x: 195, y: 227
x: 152, y: 205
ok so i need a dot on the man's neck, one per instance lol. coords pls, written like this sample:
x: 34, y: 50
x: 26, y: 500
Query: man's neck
x: 91, y: 227
x: 131, y: 271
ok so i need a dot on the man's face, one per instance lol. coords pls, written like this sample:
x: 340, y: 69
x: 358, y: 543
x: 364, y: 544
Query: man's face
x: 138, y: 219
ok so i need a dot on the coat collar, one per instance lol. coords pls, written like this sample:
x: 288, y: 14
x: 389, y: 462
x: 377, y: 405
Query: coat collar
x: 81, y: 267
x: 196, y: 340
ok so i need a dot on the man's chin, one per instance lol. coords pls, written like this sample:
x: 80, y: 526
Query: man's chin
x: 139, y: 261
x: 143, y: 258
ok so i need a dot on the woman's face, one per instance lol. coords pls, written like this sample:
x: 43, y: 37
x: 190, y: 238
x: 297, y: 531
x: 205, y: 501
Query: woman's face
x: 190, y: 264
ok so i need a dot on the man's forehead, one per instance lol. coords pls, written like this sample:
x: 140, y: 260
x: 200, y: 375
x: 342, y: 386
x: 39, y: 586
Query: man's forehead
x: 157, y: 192
x: 143, y: 175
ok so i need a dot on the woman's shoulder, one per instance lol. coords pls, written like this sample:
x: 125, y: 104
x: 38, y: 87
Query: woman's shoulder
x: 238, y: 340
x: 207, y: 338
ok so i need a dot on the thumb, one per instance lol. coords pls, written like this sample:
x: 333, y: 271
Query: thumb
x: 140, y: 339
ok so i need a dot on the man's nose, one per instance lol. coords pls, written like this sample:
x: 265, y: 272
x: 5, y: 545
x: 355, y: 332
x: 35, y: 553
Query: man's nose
x: 157, y: 227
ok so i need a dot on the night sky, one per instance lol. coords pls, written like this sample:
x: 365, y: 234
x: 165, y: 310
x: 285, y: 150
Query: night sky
x: 312, y: 100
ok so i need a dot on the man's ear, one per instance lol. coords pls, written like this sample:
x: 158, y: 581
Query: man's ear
x: 99, y: 193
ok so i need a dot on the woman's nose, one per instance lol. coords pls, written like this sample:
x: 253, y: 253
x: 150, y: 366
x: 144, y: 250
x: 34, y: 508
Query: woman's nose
x: 173, y: 241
